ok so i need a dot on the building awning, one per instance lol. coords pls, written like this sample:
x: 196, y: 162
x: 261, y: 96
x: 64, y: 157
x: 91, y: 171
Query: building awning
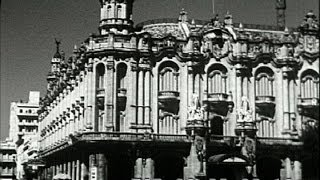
x: 230, y: 159
x: 62, y: 176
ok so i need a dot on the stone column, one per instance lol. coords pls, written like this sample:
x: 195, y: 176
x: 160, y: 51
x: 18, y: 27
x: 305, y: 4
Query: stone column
x: 190, y: 85
x: 288, y: 168
x: 69, y: 171
x: 84, y: 168
x: 54, y: 172
x: 138, y: 168
x: 74, y: 169
x: 101, y: 162
x: 77, y: 169
x: 91, y: 96
x: 109, y: 104
x: 147, y: 86
x: 148, y: 170
x: 292, y: 105
x: 238, y: 88
x: 297, y: 172
x: 140, y: 96
x: 285, y: 96
x: 133, y: 93
x: 245, y: 86
x: 65, y: 167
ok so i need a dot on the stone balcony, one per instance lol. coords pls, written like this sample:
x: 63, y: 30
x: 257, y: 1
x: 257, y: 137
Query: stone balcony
x: 219, y: 103
x: 309, y: 107
x: 265, y: 105
x: 169, y: 101
x: 100, y: 98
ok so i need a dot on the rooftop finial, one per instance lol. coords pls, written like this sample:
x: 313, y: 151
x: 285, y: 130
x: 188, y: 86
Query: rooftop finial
x: 57, y: 54
x: 57, y: 43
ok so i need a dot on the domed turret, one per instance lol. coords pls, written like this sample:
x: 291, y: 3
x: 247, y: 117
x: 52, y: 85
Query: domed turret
x: 116, y: 16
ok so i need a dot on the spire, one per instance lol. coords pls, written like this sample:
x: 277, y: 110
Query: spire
x: 281, y: 18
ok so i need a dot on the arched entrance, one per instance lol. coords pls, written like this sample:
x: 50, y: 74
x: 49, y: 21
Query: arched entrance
x: 227, y: 166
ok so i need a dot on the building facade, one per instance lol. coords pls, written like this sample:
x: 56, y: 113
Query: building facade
x: 23, y: 130
x: 7, y: 160
x: 24, y: 117
x: 181, y: 99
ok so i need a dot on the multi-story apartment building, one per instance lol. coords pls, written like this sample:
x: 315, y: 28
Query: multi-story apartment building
x: 7, y: 160
x: 24, y: 129
x: 181, y: 98
x: 24, y: 117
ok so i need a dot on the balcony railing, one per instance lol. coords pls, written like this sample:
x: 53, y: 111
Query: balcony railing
x: 219, y: 103
x: 100, y: 98
x: 27, y: 114
x: 309, y: 107
x: 117, y: 136
x: 265, y: 99
x: 169, y: 101
x: 100, y: 92
x: 168, y: 95
x: 279, y: 141
x: 265, y: 105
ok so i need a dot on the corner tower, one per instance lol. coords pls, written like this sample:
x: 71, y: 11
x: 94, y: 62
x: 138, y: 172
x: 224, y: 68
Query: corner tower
x: 116, y: 16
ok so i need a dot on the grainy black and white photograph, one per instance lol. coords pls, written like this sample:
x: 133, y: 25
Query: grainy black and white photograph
x: 159, y: 90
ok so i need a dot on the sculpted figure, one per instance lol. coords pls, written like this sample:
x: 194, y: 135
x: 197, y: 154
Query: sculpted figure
x: 195, y: 111
x: 245, y: 112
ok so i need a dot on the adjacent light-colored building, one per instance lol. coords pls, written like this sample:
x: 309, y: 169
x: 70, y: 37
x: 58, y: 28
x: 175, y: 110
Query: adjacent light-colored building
x: 7, y: 160
x: 181, y: 98
x: 24, y: 131
x: 24, y: 117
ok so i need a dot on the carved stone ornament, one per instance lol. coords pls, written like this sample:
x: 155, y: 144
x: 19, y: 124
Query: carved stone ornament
x: 244, y: 112
x: 195, y: 112
x: 249, y: 149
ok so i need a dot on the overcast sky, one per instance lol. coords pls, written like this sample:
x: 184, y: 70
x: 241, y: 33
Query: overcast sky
x: 28, y: 29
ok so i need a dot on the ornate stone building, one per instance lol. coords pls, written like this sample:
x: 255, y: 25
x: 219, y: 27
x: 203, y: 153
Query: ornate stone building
x: 181, y: 99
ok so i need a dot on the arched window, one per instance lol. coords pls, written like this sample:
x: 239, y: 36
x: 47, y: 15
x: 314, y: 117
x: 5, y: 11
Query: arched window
x: 264, y: 82
x: 121, y: 74
x: 109, y: 12
x: 168, y: 98
x: 100, y: 76
x: 119, y: 11
x: 217, y: 79
x: 168, y: 77
x: 121, y: 96
x: 264, y: 79
x: 310, y: 84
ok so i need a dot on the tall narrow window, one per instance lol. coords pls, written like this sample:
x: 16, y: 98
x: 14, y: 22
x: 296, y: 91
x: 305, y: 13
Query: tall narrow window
x: 168, y: 98
x: 216, y: 91
x: 100, y: 76
x: 168, y: 79
x: 264, y: 82
x: 119, y: 11
x: 217, y: 79
x: 310, y: 84
x: 109, y: 13
x: 121, y: 96
x: 121, y: 74
x: 265, y: 101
